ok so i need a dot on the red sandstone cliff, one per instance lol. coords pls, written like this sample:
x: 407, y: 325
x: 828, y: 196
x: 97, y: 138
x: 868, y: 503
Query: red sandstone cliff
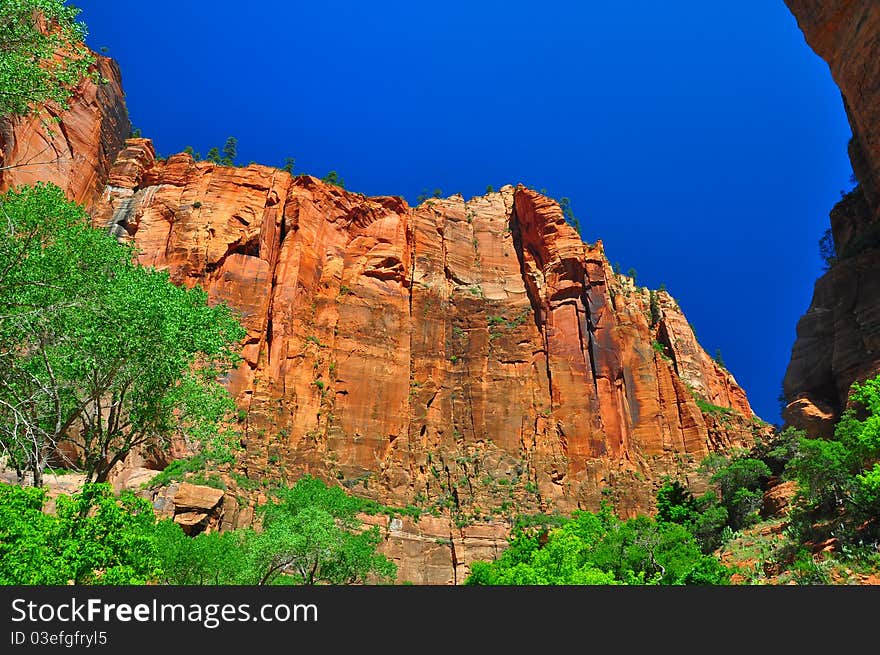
x: 473, y: 358
x: 72, y: 148
x: 838, y: 339
x: 468, y: 356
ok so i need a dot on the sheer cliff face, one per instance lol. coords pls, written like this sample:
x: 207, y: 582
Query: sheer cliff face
x: 467, y: 355
x: 838, y: 339
x: 73, y: 148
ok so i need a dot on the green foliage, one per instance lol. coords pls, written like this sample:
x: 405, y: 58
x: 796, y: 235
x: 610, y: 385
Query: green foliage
x: 192, y: 153
x: 178, y: 469
x: 333, y: 178
x: 827, y: 249
x: 213, y: 155
x: 230, y: 152
x: 312, y: 532
x: 675, y: 503
x: 30, y: 72
x: 839, y: 478
x: 216, y: 558
x: 778, y: 450
x: 599, y: 549
x: 740, y: 482
x: 91, y: 340
x: 490, y: 189
x: 654, y: 305
x: 289, y: 163
x: 94, y: 538
x: 718, y: 359
x: 709, y: 408
x: 568, y: 213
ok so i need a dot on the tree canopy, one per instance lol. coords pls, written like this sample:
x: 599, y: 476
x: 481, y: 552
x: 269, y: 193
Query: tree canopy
x: 97, y: 351
x: 310, y: 535
x: 94, y: 537
x: 599, y: 549
x: 31, y: 33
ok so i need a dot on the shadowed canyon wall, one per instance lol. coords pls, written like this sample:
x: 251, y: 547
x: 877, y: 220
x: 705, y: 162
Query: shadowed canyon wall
x: 838, y: 339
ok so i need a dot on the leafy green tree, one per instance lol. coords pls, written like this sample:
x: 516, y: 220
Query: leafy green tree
x: 216, y: 558
x: 192, y: 153
x: 599, y: 548
x: 675, y: 503
x: 95, y: 537
x: 214, y: 156
x: 26, y: 539
x: 311, y: 532
x: 97, y: 350
x: 740, y: 482
x: 42, y: 55
x: 839, y: 478
x: 310, y: 535
x: 289, y: 163
x: 333, y: 178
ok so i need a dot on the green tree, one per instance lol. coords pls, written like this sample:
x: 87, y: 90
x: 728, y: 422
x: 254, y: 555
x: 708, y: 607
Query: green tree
x: 95, y: 537
x: 839, y: 478
x: 230, y: 152
x: 675, y: 503
x: 192, y: 153
x: 97, y: 350
x: 216, y: 558
x: 599, y: 548
x: 828, y: 249
x: 741, y: 481
x: 289, y: 163
x: 568, y: 213
x: 312, y: 534
x: 333, y: 178
x: 42, y: 55
x: 654, y: 305
x: 214, y: 156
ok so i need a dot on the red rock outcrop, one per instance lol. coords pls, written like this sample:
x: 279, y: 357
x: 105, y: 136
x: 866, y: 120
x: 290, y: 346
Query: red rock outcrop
x: 473, y: 358
x: 73, y: 148
x: 838, y: 339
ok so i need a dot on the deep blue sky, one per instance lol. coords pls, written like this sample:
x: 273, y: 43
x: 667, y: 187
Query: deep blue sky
x: 704, y: 142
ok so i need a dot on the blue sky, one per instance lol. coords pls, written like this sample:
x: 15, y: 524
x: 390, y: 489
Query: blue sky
x: 704, y: 142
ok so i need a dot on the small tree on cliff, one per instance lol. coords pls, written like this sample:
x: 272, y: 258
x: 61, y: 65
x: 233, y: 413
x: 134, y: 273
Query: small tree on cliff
x: 230, y: 152
x: 32, y: 32
x: 95, y: 350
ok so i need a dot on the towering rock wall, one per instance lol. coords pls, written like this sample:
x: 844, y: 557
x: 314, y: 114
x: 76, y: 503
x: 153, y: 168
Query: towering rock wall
x: 73, y: 148
x: 838, y: 339
x: 472, y: 357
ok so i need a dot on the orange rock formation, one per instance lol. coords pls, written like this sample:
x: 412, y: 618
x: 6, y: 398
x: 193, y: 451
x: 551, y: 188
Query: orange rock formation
x: 72, y: 148
x: 464, y: 355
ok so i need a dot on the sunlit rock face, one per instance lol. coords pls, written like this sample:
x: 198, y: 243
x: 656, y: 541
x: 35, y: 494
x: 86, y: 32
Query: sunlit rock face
x: 73, y: 148
x: 461, y: 356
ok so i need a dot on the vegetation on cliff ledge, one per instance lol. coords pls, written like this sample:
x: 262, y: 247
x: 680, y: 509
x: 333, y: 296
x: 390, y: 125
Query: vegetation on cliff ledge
x: 32, y: 32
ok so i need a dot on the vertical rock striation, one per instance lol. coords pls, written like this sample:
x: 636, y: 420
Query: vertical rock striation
x: 73, y: 148
x: 469, y: 357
